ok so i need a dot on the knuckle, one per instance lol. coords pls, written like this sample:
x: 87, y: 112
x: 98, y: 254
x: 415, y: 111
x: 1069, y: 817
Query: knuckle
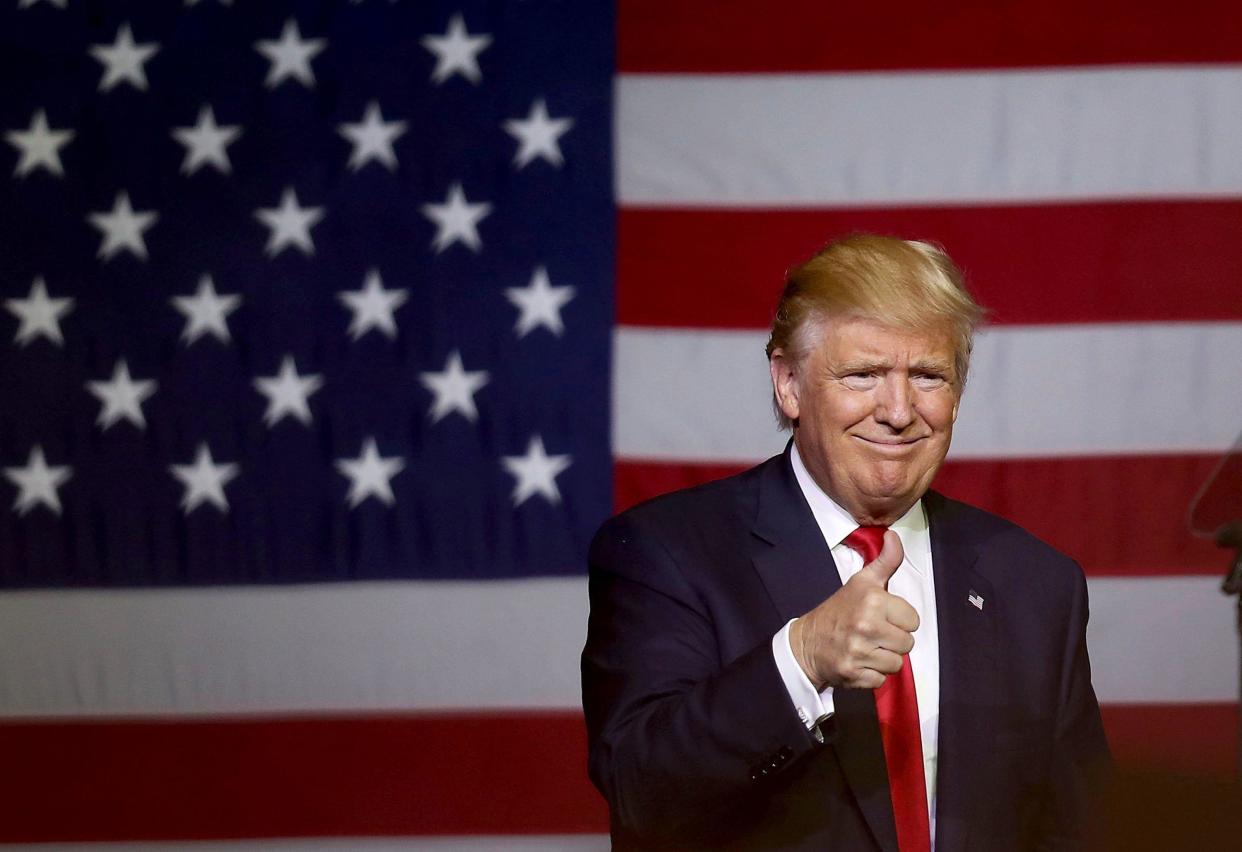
x: 848, y: 674
x: 856, y: 647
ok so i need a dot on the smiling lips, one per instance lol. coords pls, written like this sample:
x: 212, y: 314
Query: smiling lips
x: 890, y: 443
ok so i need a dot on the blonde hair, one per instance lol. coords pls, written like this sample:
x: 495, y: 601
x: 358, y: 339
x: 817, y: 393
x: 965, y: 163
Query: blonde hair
x: 907, y: 284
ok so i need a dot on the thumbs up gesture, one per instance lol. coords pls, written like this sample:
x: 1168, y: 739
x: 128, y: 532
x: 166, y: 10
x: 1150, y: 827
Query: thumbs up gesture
x: 858, y: 635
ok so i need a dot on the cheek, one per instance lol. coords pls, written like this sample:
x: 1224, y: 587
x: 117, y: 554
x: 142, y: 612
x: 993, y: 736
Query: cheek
x: 844, y: 411
x: 939, y: 413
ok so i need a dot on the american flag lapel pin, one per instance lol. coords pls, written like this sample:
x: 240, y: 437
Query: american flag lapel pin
x: 975, y: 599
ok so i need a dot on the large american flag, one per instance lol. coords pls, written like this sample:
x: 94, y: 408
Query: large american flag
x: 331, y: 331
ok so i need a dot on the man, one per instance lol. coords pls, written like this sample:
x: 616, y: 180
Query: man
x: 821, y: 653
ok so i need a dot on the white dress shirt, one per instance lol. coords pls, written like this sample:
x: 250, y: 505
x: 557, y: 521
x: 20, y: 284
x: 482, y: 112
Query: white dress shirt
x: 913, y: 581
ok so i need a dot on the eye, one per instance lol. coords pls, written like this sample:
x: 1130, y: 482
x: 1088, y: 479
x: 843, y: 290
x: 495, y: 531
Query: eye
x: 860, y: 379
x: 929, y: 380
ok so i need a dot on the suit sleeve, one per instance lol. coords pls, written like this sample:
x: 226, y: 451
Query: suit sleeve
x: 679, y: 738
x: 1081, y: 764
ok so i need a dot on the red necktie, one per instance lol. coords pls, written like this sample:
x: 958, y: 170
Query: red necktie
x: 898, y: 708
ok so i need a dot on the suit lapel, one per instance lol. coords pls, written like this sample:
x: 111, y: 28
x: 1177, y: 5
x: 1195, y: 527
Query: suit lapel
x: 796, y: 566
x: 789, y: 552
x: 966, y: 607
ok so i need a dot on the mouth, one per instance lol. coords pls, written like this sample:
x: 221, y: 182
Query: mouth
x: 889, y: 444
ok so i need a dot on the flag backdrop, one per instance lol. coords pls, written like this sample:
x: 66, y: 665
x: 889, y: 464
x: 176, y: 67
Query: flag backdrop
x: 332, y: 330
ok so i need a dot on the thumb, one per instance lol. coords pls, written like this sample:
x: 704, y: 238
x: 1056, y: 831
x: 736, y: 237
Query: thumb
x: 882, y: 568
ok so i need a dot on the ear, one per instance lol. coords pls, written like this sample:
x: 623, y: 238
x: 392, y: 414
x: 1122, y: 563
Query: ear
x: 784, y: 382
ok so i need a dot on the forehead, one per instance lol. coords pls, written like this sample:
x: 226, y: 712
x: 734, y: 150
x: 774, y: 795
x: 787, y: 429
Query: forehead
x: 843, y: 339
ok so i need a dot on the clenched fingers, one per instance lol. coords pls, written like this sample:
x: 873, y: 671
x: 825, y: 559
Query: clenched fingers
x: 899, y: 613
x: 894, y: 639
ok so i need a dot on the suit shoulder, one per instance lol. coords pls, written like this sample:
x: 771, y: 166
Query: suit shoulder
x: 716, y: 504
x: 995, y: 534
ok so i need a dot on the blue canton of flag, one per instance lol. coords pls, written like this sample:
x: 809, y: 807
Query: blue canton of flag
x: 303, y: 291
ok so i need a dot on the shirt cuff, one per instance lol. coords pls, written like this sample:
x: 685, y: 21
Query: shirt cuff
x: 811, y: 706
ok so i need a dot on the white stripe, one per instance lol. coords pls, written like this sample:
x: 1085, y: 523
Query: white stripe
x: 382, y: 646
x: 884, y: 138
x: 700, y: 395
x: 1162, y: 640
x: 487, y: 843
x: 418, y: 646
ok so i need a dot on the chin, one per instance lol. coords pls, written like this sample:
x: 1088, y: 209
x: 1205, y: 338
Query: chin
x: 886, y: 497
x: 891, y: 486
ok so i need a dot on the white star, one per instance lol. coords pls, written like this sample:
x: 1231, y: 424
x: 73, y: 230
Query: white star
x: 205, y: 143
x: 287, y: 393
x: 454, y: 388
x: 456, y: 52
x: 372, y: 138
x: 37, y: 483
x: 122, y: 397
x: 205, y: 312
x: 26, y: 4
x: 373, y: 306
x: 290, y: 56
x: 123, y: 228
x: 369, y: 474
x: 204, y: 481
x: 535, y: 472
x: 123, y: 60
x: 540, y: 304
x: 39, y: 315
x: 290, y: 224
x: 538, y: 135
x: 39, y: 146
x: 457, y: 219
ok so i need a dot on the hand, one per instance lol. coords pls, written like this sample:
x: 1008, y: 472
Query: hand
x: 857, y: 636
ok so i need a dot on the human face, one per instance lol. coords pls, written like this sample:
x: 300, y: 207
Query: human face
x: 875, y: 407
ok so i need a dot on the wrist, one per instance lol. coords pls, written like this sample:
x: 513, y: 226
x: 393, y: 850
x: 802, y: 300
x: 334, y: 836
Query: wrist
x: 798, y: 644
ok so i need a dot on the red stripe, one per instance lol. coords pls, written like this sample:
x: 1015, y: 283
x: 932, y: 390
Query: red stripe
x: 510, y: 774
x: 1177, y: 784
x: 1118, y: 515
x: 810, y: 35
x: 495, y: 774
x: 1057, y: 263
x: 1199, y: 740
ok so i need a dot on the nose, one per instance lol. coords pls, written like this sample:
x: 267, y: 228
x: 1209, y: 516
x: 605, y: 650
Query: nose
x: 893, y: 405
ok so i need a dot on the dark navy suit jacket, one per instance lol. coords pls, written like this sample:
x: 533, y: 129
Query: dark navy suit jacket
x: 695, y: 743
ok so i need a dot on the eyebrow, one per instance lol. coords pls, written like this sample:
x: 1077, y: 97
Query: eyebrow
x: 932, y: 365
x: 860, y: 365
x: 927, y: 365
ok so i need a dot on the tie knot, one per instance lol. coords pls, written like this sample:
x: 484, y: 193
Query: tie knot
x: 868, y: 541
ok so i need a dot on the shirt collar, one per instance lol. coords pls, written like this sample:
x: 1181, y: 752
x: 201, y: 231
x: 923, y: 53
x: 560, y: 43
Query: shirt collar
x: 835, y: 523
